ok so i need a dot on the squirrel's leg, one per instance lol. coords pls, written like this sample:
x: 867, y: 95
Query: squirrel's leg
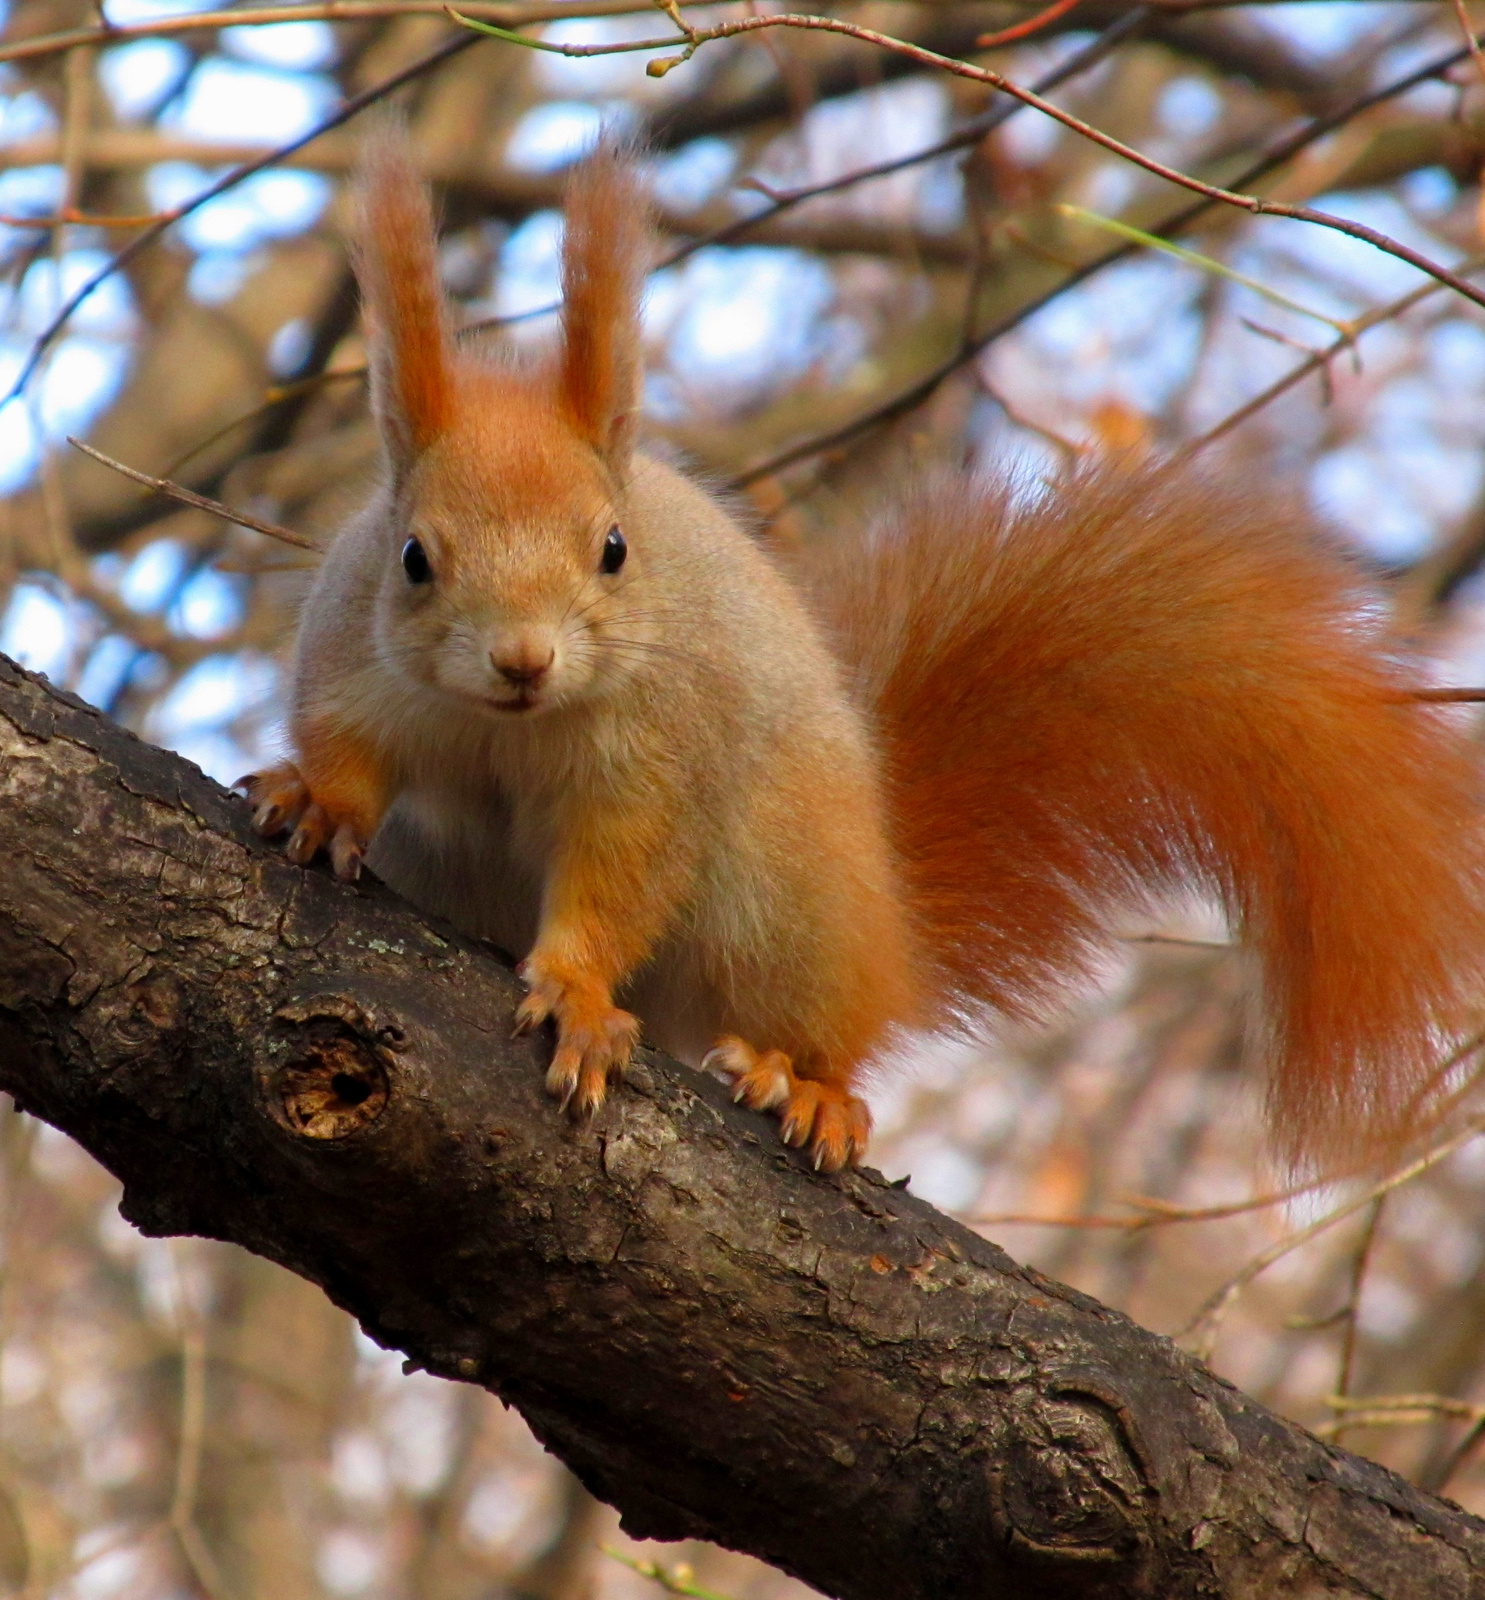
x: 609, y: 895
x: 332, y: 799
x: 820, y: 1112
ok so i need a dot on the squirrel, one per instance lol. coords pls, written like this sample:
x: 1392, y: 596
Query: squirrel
x: 785, y: 809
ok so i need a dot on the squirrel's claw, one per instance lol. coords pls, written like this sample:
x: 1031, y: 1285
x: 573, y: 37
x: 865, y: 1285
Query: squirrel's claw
x: 279, y: 798
x: 312, y: 831
x: 760, y: 1082
x: 834, y: 1123
x: 270, y: 818
x: 594, y: 1037
x: 282, y: 803
x: 585, y: 1061
x: 534, y: 1010
x: 347, y: 852
x: 578, y: 1080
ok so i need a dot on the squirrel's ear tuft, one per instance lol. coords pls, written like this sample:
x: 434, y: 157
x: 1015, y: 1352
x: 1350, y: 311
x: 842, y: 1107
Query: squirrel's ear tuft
x: 604, y: 260
x: 410, y: 345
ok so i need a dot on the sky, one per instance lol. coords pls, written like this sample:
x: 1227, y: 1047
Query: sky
x: 745, y: 320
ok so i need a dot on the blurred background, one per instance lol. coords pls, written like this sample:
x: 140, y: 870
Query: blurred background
x: 180, y: 1419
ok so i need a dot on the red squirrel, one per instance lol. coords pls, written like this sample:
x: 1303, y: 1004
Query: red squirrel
x: 782, y: 812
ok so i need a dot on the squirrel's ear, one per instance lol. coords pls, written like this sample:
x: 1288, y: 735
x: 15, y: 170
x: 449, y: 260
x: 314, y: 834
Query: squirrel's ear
x: 410, y: 346
x: 604, y: 260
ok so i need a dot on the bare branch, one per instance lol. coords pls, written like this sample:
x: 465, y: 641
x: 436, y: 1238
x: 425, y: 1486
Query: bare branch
x: 1203, y: 1327
x: 1023, y: 30
x: 1117, y: 33
x: 1319, y: 361
x: 141, y: 241
x: 514, y: 16
x: 199, y: 502
x: 909, y: 399
x: 1259, y: 205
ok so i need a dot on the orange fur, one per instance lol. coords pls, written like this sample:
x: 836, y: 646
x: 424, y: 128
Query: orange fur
x: 605, y: 256
x: 1146, y: 683
x: 397, y: 263
x: 613, y: 886
x: 332, y: 799
x: 1152, y: 682
x: 813, y: 1101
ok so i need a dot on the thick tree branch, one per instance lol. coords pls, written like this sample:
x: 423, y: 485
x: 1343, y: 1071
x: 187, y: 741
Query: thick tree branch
x: 823, y: 1371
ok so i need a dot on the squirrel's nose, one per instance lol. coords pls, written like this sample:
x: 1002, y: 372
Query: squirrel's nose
x: 523, y: 664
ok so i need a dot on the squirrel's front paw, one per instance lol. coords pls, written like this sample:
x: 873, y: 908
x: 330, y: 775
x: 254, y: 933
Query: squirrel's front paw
x: 824, y: 1115
x: 282, y: 803
x: 594, y: 1037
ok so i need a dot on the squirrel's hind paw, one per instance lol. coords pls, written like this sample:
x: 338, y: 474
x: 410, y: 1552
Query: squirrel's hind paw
x: 824, y: 1115
x: 282, y: 803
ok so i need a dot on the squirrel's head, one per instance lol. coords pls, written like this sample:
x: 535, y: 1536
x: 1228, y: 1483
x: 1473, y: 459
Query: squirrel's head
x: 511, y: 575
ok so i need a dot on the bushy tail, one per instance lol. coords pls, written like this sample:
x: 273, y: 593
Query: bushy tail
x: 1145, y: 683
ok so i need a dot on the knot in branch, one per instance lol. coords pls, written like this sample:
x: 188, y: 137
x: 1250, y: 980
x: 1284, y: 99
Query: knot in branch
x: 328, y: 1077
x: 1074, y: 1489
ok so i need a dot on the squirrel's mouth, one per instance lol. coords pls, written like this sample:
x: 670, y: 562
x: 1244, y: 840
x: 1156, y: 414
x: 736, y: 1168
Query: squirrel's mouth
x: 520, y: 702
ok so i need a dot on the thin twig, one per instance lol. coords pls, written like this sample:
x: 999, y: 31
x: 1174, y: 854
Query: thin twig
x: 1319, y: 361
x: 1067, y: 448
x: 1396, y: 1411
x: 1195, y: 258
x: 1327, y: 384
x: 679, y: 1579
x: 1469, y: 37
x: 141, y: 241
x: 182, y: 1515
x: 1277, y: 156
x: 515, y: 16
x: 77, y: 82
x: 273, y: 396
x: 1351, y: 1314
x: 77, y: 97
x: 1257, y: 205
x: 1023, y: 30
x: 1440, y: 1480
x: 70, y: 218
x: 1156, y: 1213
x: 1079, y: 62
x: 970, y: 134
x: 1203, y: 1327
x: 1442, y: 1405
x: 200, y: 502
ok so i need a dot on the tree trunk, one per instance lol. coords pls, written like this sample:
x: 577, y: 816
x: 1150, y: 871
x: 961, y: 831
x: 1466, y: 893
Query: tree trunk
x: 822, y: 1371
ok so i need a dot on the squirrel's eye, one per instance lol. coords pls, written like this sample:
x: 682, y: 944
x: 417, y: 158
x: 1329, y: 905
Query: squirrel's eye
x: 614, y: 551
x: 415, y: 563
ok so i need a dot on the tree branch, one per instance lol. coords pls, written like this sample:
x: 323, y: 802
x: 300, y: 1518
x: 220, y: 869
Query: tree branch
x: 24, y: 48
x: 229, y: 180
x: 1233, y: 45
x: 1272, y: 160
x: 822, y: 1371
x: 1260, y: 205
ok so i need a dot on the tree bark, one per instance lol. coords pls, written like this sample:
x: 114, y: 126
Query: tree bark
x: 822, y: 1371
